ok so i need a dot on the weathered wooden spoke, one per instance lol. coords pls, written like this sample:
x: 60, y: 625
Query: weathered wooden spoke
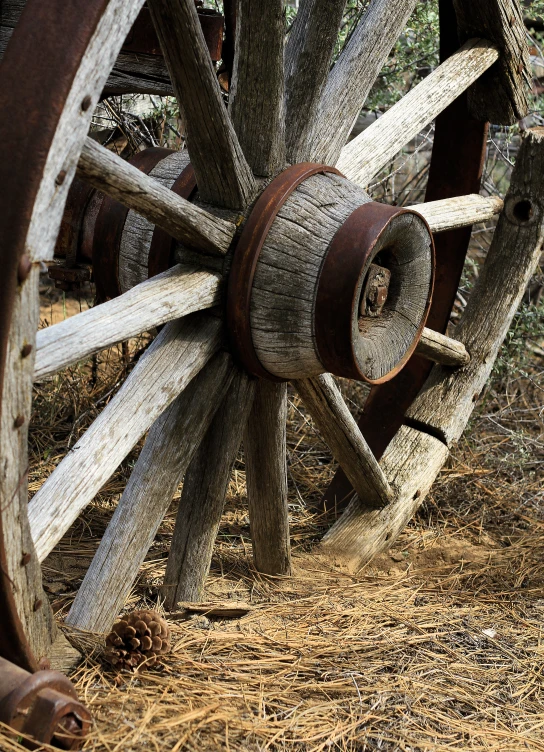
x: 175, y: 357
x: 312, y: 278
x: 372, y: 149
x: 256, y: 90
x: 223, y: 174
x: 180, y: 218
x: 204, y: 489
x: 265, y: 448
x: 166, y: 454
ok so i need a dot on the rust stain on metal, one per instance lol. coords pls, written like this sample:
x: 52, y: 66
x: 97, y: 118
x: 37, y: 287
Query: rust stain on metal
x: 375, y: 291
x: 143, y: 39
x: 246, y: 256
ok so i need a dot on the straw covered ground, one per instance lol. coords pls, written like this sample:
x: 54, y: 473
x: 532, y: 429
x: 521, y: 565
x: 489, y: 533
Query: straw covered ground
x: 435, y: 646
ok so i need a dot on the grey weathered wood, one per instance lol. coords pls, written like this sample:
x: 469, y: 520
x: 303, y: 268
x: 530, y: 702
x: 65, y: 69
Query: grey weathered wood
x: 438, y: 416
x: 354, y: 74
x: 168, y: 449
x: 265, y: 451
x: 170, y: 295
x: 287, y: 274
x: 372, y: 149
x: 203, y: 496
x: 308, y: 55
x: 223, y: 175
x: 138, y: 231
x: 177, y: 354
x: 339, y: 430
x: 183, y: 220
x: 460, y: 211
x: 502, y: 94
x: 256, y: 101
x: 26, y: 580
x: 441, y: 349
x: 73, y: 124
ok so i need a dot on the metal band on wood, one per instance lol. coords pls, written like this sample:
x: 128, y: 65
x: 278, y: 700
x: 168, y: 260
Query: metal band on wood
x: 109, y: 226
x: 160, y: 251
x: 246, y: 257
x: 338, y: 293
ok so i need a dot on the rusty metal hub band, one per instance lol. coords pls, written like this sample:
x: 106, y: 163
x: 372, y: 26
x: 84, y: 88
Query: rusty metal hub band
x: 367, y: 232
x: 246, y: 256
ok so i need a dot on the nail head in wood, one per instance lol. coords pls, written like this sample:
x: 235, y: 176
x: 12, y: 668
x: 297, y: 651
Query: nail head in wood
x: 86, y: 102
x: 25, y: 560
x: 38, y: 603
x: 19, y: 421
x: 26, y: 350
x: 61, y: 177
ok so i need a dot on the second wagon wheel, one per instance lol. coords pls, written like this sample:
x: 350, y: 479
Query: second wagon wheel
x: 302, y: 274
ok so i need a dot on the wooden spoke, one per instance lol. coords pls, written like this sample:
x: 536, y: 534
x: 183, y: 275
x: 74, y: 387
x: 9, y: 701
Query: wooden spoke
x: 341, y: 434
x: 437, y: 418
x: 223, y: 175
x: 256, y: 92
x: 265, y: 451
x: 161, y: 465
x: 308, y: 55
x: 372, y: 149
x: 174, y: 358
x: 353, y: 75
x: 170, y: 295
x: 461, y: 211
x: 204, y: 489
x: 183, y: 220
x: 441, y: 349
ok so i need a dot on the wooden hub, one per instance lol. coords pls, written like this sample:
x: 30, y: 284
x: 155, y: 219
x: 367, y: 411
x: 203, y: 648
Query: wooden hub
x: 325, y: 280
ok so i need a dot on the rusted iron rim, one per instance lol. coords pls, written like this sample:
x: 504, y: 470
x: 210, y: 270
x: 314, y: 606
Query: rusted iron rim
x: 35, y: 102
x: 109, y: 226
x: 162, y: 244
x: 456, y: 170
x: 338, y: 291
x: 246, y: 256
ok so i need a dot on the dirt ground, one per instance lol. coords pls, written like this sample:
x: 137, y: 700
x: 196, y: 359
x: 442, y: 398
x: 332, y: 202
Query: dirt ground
x: 437, y: 645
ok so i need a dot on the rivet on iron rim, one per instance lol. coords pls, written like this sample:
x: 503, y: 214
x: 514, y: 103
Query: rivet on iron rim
x: 24, y: 268
x: 25, y: 559
x: 38, y: 603
x: 86, y: 103
x: 19, y: 421
x: 44, y: 664
x: 26, y: 350
x: 61, y: 177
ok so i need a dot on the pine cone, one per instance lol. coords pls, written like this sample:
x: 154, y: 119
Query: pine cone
x: 138, y: 637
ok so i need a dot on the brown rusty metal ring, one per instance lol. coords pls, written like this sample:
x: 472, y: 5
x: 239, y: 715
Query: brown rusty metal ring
x: 109, y: 226
x: 162, y: 244
x: 246, y: 256
x: 349, y: 256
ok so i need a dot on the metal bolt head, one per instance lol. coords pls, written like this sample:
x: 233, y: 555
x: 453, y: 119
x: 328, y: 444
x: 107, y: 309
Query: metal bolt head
x: 26, y: 350
x: 86, y: 103
x: 61, y: 177
x: 24, y: 268
x: 19, y: 421
x: 25, y: 559
x: 38, y: 603
x: 44, y: 664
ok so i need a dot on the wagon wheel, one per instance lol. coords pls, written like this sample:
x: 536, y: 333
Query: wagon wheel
x: 304, y: 276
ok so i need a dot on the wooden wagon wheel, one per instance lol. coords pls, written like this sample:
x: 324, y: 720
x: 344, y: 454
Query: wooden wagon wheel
x: 302, y: 274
